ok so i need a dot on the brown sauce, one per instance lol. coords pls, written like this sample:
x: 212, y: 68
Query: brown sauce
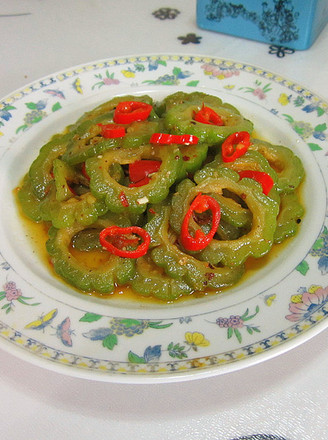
x: 37, y: 234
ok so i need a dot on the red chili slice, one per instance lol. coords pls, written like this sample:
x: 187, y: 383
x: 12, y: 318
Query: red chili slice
x: 131, y: 111
x: 112, y: 131
x: 206, y: 115
x: 141, y: 182
x: 200, y: 240
x: 140, y: 169
x: 235, y: 146
x: 113, y: 236
x: 167, y: 139
x: 263, y: 178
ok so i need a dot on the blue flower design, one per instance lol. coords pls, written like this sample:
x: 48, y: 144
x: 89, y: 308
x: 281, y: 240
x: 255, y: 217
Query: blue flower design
x: 152, y: 353
x: 5, y: 112
x: 98, y: 334
x: 153, y: 65
x: 309, y: 108
x: 5, y: 266
x: 323, y: 265
x: 40, y: 105
x: 5, y: 115
x: 319, y: 135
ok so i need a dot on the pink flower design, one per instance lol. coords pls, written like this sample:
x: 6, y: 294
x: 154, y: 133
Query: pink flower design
x: 212, y: 70
x: 222, y: 322
x: 236, y: 321
x: 109, y: 81
x: 12, y: 293
x: 259, y: 93
x: 310, y: 303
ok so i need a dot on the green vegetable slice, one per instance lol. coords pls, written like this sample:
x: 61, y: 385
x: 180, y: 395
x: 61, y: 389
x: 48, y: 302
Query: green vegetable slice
x: 105, y: 109
x: 112, y: 272
x: 287, y: 165
x: 257, y: 241
x: 289, y: 218
x: 84, y: 209
x: 197, y: 274
x: 120, y: 198
x: 28, y: 200
x: 40, y: 171
x: 179, y: 117
x: 151, y: 281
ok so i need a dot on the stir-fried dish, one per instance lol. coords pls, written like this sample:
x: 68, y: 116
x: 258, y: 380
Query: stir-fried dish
x: 169, y: 198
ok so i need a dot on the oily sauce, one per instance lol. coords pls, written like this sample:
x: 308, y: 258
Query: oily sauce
x: 37, y: 234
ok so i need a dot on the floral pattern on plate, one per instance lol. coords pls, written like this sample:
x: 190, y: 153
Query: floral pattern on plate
x: 120, y: 341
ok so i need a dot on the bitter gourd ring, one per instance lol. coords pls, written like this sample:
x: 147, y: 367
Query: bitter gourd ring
x: 113, y: 271
x: 251, y: 160
x: 179, y: 118
x: 28, y: 200
x: 120, y: 198
x: 89, y: 141
x: 258, y: 240
x: 150, y: 280
x: 287, y: 165
x: 103, y: 110
x: 61, y: 205
x: 84, y: 209
x: 290, y: 214
x: 180, y: 266
x: 41, y: 168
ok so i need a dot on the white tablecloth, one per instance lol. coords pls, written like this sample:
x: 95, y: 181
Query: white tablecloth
x: 285, y: 398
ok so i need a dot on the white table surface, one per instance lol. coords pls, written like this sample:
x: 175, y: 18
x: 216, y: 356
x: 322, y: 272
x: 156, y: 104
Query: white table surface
x: 285, y: 398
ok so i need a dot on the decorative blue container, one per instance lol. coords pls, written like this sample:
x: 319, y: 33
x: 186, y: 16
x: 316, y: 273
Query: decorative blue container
x: 290, y: 23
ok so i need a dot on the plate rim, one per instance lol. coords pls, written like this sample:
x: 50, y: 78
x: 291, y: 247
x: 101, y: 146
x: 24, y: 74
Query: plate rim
x: 200, y: 373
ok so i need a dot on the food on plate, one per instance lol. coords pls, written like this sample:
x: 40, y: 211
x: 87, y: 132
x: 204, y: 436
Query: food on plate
x: 169, y: 198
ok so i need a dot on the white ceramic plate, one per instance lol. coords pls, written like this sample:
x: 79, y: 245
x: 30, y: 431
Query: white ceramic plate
x: 274, y: 309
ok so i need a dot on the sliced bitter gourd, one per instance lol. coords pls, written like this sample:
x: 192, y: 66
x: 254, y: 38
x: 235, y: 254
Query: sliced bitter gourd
x: 75, y: 270
x: 264, y: 210
x: 179, y: 118
x: 289, y: 218
x: 84, y: 209
x: 287, y: 165
x: 120, y: 198
x: 185, y: 268
x: 150, y: 280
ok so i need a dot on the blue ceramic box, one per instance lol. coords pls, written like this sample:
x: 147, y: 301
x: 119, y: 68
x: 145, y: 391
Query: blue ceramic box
x: 291, y: 23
